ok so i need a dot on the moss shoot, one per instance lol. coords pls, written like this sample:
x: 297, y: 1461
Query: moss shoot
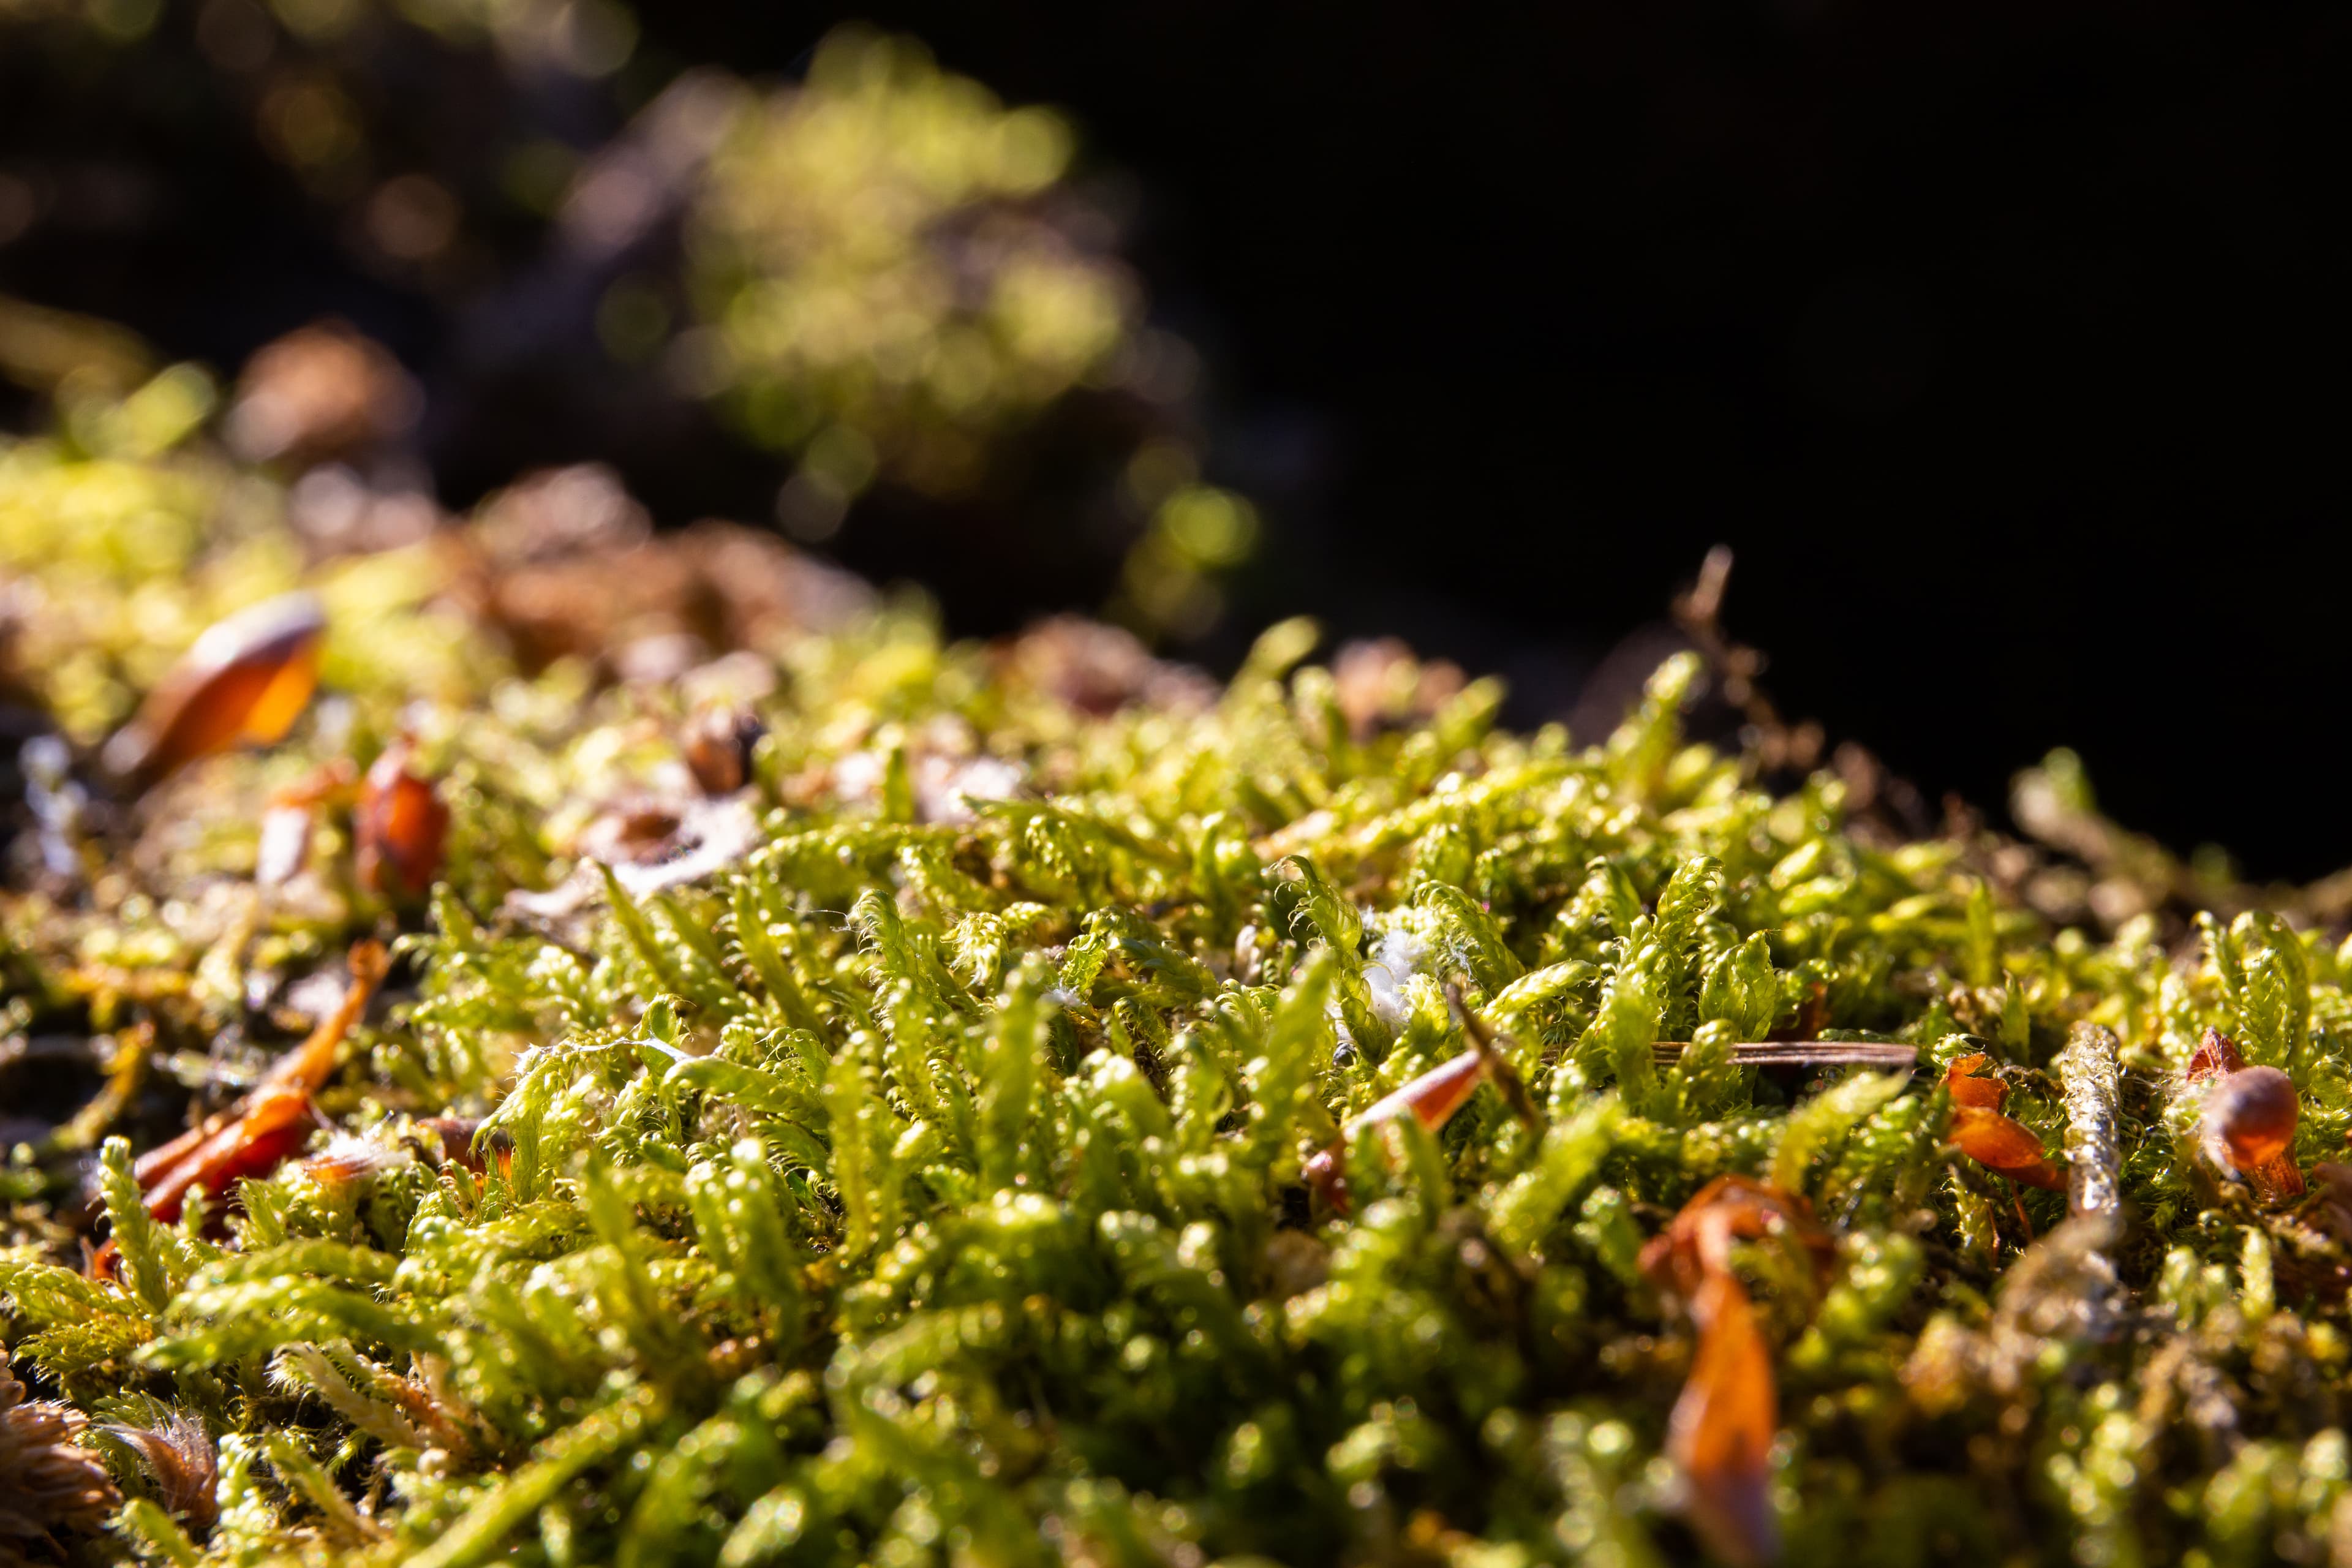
x: 842, y: 1096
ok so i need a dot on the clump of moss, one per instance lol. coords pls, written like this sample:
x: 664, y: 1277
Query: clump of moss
x: 886, y: 1075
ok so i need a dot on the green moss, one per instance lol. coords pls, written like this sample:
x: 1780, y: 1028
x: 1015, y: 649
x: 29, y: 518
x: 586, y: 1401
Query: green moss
x: 924, y: 1181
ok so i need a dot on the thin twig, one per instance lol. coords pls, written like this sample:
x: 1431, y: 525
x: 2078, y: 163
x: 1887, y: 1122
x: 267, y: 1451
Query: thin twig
x: 2090, y: 1081
x: 1805, y: 1053
x: 1699, y: 612
x: 1483, y: 1040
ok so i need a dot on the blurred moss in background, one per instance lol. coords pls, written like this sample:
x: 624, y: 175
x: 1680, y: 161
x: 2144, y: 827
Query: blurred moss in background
x: 902, y: 298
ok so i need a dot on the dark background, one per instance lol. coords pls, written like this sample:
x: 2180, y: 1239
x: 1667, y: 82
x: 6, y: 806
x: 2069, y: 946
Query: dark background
x: 2005, y: 342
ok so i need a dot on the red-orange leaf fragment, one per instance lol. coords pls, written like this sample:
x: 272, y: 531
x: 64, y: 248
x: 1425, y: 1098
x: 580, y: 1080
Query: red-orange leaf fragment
x: 2249, y: 1121
x: 1994, y: 1141
x: 1722, y: 1426
x: 253, y: 1136
x: 1432, y: 1099
x: 2010, y: 1147
x: 401, y: 827
x: 2250, y: 1117
x: 1720, y: 1434
x: 1961, y: 1082
x: 271, y: 1125
x: 2216, y: 1055
x: 244, y: 680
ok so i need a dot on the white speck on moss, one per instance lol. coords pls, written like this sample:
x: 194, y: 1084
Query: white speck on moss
x: 1397, y: 957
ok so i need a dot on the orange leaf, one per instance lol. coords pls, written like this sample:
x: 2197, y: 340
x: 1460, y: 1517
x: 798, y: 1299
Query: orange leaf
x: 246, y: 678
x: 275, y: 1124
x: 1721, y: 1431
x: 1966, y: 1088
x: 258, y: 1133
x: 1720, y: 1435
x: 400, y: 825
x: 1999, y: 1143
x: 1432, y: 1099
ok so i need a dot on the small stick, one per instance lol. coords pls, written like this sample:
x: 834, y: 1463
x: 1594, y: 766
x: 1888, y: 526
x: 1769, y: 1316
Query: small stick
x: 1482, y: 1041
x: 2089, y: 1078
x: 1805, y: 1053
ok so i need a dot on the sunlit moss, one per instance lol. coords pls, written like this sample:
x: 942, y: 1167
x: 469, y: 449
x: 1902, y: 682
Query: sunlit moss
x: 902, y: 1158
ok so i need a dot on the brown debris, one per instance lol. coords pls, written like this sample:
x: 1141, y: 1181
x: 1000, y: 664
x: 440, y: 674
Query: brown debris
x: 565, y: 564
x: 322, y: 392
x: 1381, y: 685
x: 1097, y: 670
x: 1699, y: 614
x: 717, y: 742
x: 289, y: 819
x: 650, y: 846
x: 180, y: 1459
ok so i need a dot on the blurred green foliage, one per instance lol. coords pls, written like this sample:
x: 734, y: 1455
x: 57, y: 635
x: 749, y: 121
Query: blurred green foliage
x: 876, y: 249
x: 877, y: 272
